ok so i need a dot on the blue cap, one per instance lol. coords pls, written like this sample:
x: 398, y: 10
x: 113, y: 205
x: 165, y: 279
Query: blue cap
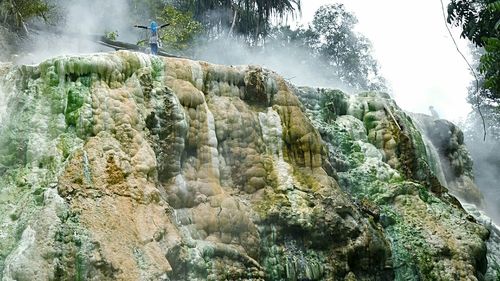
x: 154, y: 26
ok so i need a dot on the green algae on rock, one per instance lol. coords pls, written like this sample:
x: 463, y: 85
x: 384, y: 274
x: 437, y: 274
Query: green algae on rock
x: 124, y: 166
x: 429, y: 232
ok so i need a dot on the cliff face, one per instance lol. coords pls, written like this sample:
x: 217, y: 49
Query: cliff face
x: 123, y: 166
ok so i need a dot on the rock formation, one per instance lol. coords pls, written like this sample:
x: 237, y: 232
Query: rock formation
x: 124, y: 166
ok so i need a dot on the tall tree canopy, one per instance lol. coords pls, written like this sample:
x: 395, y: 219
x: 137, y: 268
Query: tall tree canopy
x: 182, y: 31
x: 480, y: 22
x: 347, y: 52
x: 344, y: 54
x: 249, y: 18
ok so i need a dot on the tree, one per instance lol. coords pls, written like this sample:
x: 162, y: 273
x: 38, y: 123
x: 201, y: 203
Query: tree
x: 249, y: 18
x: 480, y: 22
x: 16, y: 13
x: 347, y: 53
x: 332, y: 42
x: 302, y: 37
x: 144, y: 9
x: 182, y: 31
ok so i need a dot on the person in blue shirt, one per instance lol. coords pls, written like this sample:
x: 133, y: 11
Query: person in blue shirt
x: 154, y: 39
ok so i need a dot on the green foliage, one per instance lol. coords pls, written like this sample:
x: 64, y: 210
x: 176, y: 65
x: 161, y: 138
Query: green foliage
x: 490, y: 66
x: 343, y: 53
x: 347, y: 52
x: 111, y: 35
x: 300, y: 37
x: 15, y: 13
x: 183, y: 28
x: 494, y: 7
x: 144, y: 9
x: 480, y: 22
x: 250, y: 19
x: 476, y: 17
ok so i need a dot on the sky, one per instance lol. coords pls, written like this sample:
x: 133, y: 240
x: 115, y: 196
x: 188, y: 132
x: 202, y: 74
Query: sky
x: 415, y: 52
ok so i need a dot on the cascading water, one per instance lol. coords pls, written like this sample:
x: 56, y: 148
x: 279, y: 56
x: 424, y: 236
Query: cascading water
x: 272, y: 132
x: 432, y: 154
x: 478, y: 212
x: 212, y: 145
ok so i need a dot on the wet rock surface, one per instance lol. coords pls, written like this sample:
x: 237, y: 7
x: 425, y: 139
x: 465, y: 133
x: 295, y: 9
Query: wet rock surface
x: 124, y: 166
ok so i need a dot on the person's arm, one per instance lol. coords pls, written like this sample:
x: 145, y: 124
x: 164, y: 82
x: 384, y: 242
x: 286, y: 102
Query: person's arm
x: 164, y: 25
x: 141, y: 26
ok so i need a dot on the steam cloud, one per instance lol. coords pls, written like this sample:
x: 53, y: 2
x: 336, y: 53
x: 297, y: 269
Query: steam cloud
x: 486, y: 157
x: 80, y: 19
x: 292, y: 62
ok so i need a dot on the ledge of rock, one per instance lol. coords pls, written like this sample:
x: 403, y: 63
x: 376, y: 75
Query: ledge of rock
x: 124, y: 166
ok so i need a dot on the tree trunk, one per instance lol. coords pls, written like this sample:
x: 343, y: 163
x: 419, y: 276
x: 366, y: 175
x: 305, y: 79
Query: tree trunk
x: 235, y: 17
x: 19, y: 16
